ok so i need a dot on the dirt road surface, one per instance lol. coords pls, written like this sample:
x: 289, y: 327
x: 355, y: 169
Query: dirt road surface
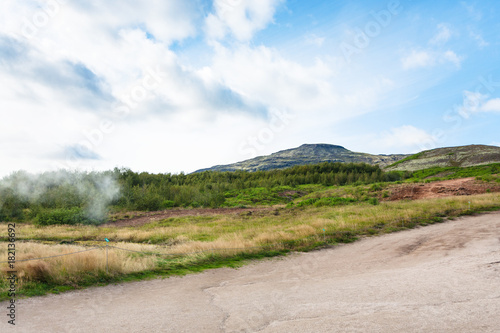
x: 440, y: 278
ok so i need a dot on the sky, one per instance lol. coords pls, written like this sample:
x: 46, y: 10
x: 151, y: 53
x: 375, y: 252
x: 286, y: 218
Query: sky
x: 169, y: 86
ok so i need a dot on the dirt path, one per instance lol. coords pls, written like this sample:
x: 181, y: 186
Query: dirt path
x: 440, y: 278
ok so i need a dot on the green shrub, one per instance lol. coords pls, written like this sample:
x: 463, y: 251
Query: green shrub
x: 148, y: 202
x: 11, y: 206
x: 168, y: 204
x: 73, y: 215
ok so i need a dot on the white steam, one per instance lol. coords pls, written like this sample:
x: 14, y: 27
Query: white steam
x: 93, y: 191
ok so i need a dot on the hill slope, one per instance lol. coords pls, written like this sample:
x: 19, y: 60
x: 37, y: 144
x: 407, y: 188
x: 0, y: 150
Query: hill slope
x: 307, y: 154
x: 462, y: 156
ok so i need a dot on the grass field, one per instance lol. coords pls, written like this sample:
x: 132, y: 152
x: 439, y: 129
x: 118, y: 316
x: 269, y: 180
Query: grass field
x: 179, y: 245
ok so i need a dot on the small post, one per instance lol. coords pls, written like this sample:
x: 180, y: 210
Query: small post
x: 469, y: 205
x: 107, y: 268
x: 324, y: 236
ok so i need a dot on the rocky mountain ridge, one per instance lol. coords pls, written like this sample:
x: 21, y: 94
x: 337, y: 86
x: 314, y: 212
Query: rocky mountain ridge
x: 307, y: 154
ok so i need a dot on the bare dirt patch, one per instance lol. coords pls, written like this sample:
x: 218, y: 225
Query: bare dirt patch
x: 291, y: 194
x: 444, y: 188
x: 147, y: 217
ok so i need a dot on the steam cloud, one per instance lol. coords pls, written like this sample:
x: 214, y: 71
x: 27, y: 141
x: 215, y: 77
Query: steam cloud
x: 93, y: 191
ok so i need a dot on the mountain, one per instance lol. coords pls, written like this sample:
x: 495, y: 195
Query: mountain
x: 462, y: 156
x: 307, y: 154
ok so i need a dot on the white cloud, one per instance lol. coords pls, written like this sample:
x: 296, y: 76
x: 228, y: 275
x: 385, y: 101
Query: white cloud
x: 406, y: 139
x: 492, y: 105
x: 426, y: 58
x: 75, y: 72
x: 127, y: 63
x: 418, y: 59
x: 264, y: 75
x: 315, y: 40
x: 41, y: 20
x: 472, y: 11
x: 442, y: 36
x: 451, y: 57
x: 479, y: 39
x: 239, y: 18
x: 475, y: 102
x: 117, y: 41
x: 434, y: 55
x: 95, y: 59
x: 472, y: 103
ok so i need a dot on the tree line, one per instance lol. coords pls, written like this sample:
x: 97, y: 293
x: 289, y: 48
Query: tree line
x: 145, y: 191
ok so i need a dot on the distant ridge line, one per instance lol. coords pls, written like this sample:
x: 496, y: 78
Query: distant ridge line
x: 307, y: 154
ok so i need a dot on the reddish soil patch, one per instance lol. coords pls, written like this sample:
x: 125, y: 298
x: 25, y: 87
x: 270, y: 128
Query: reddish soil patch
x: 445, y: 188
x: 147, y: 217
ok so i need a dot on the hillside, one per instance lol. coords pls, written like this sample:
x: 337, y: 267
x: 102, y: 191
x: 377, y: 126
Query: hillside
x: 307, y: 154
x: 461, y: 156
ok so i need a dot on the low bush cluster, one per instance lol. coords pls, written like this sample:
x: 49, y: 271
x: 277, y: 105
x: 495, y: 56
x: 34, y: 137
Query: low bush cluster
x: 73, y: 215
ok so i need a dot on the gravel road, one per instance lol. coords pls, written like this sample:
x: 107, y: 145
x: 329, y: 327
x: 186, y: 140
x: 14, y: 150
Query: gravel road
x: 440, y: 278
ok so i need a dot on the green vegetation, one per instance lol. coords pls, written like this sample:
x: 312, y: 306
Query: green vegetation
x: 86, y: 198
x: 409, y: 158
x: 320, y: 202
x: 73, y: 198
x: 308, y: 207
x: 462, y: 156
x: 199, y: 242
x: 240, y: 188
x: 72, y: 215
x: 441, y: 173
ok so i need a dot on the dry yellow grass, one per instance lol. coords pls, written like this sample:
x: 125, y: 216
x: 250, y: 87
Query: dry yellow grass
x: 63, y: 269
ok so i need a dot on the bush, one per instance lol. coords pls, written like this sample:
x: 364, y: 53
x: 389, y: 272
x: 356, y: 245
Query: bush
x: 11, y: 207
x: 168, y: 204
x: 148, y: 202
x: 65, y: 216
